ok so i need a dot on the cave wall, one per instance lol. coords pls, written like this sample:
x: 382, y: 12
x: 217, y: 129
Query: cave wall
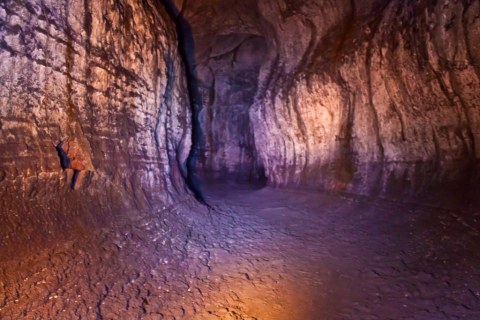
x: 371, y: 96
x: 341, y: 95
x: 94, y: 112
x: 225, y: 51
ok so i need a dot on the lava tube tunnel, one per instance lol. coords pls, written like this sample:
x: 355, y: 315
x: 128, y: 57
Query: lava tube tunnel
x: 240, y: 160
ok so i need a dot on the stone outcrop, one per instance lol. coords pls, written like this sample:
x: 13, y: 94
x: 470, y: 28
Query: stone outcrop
x: 366, y: 96
x: 94, y: 112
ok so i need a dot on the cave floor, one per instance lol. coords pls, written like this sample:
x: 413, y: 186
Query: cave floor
x: 259, y: 254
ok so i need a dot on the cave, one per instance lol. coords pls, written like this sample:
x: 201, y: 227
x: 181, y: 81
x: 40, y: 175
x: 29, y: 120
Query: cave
x: 248, y: 160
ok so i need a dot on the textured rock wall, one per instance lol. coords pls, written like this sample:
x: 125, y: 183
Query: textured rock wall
x: 226, y: 55
x: 364, y: 96
x: 94, y: 114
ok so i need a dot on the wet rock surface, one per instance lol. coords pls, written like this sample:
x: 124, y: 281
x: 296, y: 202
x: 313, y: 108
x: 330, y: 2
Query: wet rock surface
x: 259, y: 254
x: 94, y: 113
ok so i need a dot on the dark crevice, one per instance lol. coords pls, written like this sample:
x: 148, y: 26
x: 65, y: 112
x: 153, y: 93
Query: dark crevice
x: 64, y: 159
x: 65, y: 163
x: 74, y: 178
x: 186, y: 46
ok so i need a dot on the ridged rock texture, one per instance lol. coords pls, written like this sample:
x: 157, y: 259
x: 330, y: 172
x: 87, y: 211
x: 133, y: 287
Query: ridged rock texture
x: 363, y: 96
x: 94, y: 112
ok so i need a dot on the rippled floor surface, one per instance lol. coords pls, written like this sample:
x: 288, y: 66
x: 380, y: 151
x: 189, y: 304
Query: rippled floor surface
x: 258, y: 254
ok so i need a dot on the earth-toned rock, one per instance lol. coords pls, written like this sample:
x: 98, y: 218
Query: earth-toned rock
x: 367, y: 96
x: 372, y: 97
x: 94, y: 112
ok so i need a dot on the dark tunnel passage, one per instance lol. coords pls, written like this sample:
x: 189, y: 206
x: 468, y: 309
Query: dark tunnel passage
x: 239, y: 160
x: 237, y: 85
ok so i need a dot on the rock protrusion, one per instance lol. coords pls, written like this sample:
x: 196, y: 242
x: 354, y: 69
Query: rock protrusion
x: 76, y: 161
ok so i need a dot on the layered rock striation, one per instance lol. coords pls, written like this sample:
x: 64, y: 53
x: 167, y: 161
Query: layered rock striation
x: 94, y: 112
x: 371, y: 96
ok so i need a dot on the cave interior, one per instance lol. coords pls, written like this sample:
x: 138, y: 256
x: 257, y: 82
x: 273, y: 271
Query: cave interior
x: 243, y: 160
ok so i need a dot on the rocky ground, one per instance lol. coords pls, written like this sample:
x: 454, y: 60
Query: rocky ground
x: 258, y: 254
